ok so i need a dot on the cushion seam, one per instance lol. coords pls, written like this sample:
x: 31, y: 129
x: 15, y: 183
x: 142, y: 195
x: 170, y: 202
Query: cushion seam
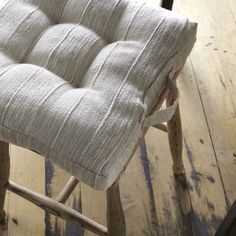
x: 51, y: 150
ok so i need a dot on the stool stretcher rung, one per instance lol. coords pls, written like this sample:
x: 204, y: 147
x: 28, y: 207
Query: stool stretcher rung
x: 67, y: 190
x: 56, y: 208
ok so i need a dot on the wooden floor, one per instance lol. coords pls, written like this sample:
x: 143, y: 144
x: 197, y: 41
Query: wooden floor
x: 155, y: 203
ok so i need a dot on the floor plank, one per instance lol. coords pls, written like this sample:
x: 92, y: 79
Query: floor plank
x: 55, y: 180
x: 191, y: 207
x: 137, y: 197
x: 214, y: 65
x: 27, y: 169
x: 93, y: 205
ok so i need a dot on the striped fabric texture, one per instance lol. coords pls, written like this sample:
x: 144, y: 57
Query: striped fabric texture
x: 77, y: 78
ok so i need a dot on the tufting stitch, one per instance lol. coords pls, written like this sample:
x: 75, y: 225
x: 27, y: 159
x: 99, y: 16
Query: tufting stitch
x: 77, y: 78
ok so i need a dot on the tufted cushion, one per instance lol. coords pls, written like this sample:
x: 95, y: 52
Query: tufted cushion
x: 77, y: 78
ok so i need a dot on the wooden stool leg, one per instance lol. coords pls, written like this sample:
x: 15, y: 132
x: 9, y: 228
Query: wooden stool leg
x: 175, y: 140
x: 115, y: 214
x: 228, y: 226
x: 4, y: 175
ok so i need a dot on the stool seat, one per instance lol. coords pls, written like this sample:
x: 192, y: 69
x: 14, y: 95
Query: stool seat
x: 78, y: 77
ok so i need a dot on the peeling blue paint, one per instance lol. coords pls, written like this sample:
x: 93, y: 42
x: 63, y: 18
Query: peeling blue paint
x: 75, y: 228
x: 56, y: 230
x: 196, y: 177
x: 71, y: 229
x: 49, y: 172
x: 147, y: 173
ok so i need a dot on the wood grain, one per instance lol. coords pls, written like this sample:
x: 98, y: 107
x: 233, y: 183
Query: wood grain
x: 137, y: 196
x: 213, y: 62
x: 56, y: 208
x: 175, y: 140
x: 67, y: 190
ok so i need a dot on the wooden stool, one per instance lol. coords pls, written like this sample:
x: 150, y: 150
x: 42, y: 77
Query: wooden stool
x: 115, y: 214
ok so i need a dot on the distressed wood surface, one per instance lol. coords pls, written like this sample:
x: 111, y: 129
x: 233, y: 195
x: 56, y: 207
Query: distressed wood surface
x: 154, y: 201
x: 213, y: 63
x: 191, y: 206
x: 55, y: 180
x: 137, y: 197
x: 207, y: 194
x: 175, y: 138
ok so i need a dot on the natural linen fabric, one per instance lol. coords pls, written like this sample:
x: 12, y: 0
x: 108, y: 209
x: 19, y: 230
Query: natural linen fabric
x: 77, y: 78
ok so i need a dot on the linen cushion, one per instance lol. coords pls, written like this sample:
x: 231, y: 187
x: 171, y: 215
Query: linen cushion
x: 77, y: 78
